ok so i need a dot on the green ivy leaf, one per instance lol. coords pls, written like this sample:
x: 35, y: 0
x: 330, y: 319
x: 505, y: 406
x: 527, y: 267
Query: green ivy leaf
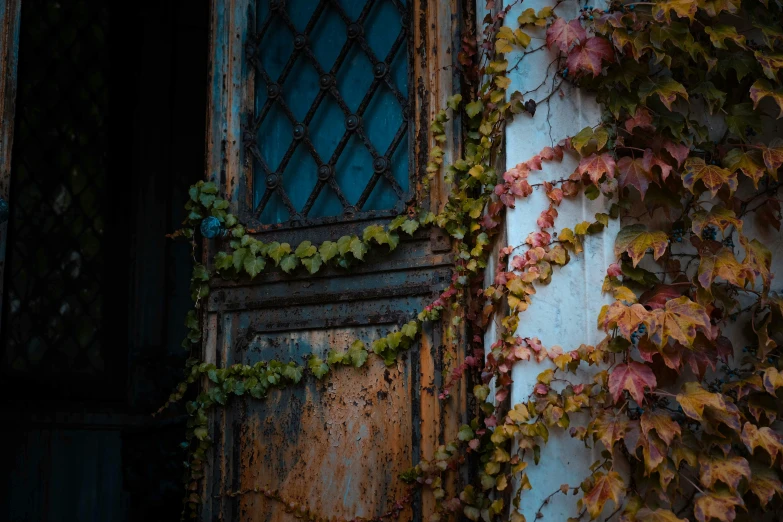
x: 239, y: 258
x: 254, y: 265
x: 200, y: 272
x: 344, y: 244
x: 305, y: 249
x: 465, y: 433
x: 293, y: 372
x: 357, y: 354
x: 277, y: 251
x: 223, y: 261
x: 317, y: 366
x: 473, y: 108
x: 288, y: 263
x: 410, y: 226
x: 312, y: 264
x: 328, y: 250
x: 358, y: 248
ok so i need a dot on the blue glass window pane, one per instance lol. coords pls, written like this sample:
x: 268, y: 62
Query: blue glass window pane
x: 329, y: 137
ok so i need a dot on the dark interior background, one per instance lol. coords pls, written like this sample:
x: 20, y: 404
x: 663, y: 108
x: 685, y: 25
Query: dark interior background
x: 109, y: 133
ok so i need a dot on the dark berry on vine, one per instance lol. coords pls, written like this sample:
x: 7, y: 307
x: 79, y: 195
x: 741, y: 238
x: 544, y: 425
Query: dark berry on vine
x: 750, y: 132
x: 678, y: 231
x: 729, y: 242
x: 709, y: 233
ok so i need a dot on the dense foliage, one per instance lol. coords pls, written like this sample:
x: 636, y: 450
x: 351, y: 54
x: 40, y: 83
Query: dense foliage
x: 687, y: 154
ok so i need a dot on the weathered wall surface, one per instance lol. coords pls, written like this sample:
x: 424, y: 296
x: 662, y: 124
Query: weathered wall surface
x: 564, y: 312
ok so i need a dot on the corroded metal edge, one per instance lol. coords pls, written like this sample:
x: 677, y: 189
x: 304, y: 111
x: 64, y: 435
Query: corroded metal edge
x: 10, y: 15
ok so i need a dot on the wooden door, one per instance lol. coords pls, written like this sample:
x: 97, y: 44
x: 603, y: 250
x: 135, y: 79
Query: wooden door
x: 318, y: 126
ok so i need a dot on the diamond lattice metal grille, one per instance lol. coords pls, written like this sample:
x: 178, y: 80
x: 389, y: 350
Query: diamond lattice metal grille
x: 54, y: 275
x: 330, y: 135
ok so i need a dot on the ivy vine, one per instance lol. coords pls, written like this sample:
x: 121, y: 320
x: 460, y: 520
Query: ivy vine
x: 687, y: 155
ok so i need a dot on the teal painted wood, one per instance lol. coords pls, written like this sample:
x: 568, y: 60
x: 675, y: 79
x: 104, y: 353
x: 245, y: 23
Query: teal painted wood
x: 10, y: 15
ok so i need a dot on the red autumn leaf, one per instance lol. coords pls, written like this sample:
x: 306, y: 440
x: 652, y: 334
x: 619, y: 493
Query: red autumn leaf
x: 642, y: 118
x: 678, y: 151
x: 678, y: 320
x: 606, y: 486
x: 713, y: 176
x: 614, y: 270
x: 659, y: 295
x: 633, y: 172
x: 565, y: 34
x: 651, y: 160
x: 596, y: 166
x: 547, y: 218
x: 633, y: 377
x: 589, y: 56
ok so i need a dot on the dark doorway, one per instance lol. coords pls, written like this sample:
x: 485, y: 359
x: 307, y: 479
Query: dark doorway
x: 109, y: 133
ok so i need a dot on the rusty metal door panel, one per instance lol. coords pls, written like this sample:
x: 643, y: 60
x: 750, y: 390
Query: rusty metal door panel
x: 335, y: 447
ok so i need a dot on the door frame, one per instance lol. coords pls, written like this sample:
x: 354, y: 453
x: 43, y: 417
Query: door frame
x: 10, y: 16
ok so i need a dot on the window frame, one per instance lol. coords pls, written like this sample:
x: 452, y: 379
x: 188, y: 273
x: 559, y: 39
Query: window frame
x: 433, y: 35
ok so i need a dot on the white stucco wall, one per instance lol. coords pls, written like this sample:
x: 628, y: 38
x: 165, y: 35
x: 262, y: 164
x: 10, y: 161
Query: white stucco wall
x: 564, y: 312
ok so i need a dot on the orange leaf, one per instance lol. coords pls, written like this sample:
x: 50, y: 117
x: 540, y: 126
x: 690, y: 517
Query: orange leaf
x: 659, y: 515
x: 693, y: 399
x: 609, y: 427
x: 682, y: 8
x: 720, y: 505
x: 719, y: 264
x: 769, y: 440
x: 633, y: 377
x: 607, y: 486
x: 764, y: 483
x: 772, y: 380
x: 718, y: 216
x: 678, y: 319
x: 729, y: 470
x: 635, y: 240
x: 749, y: 162
x: 758, y: 259
x: 713, y: 176
x: 662, y: 424
x: 761, y: 89
x: 625, y: 318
